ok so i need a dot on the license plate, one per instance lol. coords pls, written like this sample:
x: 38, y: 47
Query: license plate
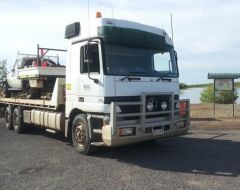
x: 157, y: 131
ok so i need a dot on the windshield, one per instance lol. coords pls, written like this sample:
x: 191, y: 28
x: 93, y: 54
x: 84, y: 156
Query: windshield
x: 140, y: 62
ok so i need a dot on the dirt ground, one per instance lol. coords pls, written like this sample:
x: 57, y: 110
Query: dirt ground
x: 202, y: 117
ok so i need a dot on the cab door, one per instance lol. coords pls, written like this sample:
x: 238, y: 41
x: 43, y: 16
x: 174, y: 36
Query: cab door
x: 85, y: 75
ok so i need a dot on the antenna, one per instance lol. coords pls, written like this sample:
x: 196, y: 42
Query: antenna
x: 88, y: 21
x: 172, y: 27
x: 113, y: 14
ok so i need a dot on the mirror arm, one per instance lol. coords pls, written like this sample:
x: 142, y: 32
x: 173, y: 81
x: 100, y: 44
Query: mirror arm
x: 94, y: 80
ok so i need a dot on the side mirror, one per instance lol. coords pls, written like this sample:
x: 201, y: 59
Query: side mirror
x: 89, y: 54
x: 72, y: 30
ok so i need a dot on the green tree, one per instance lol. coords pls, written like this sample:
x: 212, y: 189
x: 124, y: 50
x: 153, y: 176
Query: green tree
x: 222, y: 97
x: 3, y: 70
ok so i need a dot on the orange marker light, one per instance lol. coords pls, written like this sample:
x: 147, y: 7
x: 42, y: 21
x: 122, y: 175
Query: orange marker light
x: 98, y: 15
x: 182, y: 108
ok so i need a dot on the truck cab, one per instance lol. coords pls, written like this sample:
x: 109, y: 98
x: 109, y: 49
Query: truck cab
x: 124, y: 78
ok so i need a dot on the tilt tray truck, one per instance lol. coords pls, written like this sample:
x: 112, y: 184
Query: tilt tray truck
x: 120, y: 87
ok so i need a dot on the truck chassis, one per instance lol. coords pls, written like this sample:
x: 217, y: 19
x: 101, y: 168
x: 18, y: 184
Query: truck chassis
x: 87, y: 129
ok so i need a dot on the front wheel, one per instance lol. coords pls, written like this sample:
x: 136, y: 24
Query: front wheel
x: 81, y: 135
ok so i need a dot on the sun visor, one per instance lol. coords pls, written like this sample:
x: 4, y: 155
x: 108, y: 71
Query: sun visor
x: 132, y: 37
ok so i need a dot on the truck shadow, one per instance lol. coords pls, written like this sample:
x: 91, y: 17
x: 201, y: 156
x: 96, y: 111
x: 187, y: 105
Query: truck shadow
x: 208, y: 156
x: 187, y: 154
x: 33, y: 130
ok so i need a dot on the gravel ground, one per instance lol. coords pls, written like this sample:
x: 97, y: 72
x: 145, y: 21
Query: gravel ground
x: 201, y: 159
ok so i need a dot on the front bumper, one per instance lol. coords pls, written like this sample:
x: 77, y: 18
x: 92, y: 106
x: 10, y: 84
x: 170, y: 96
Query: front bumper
x: 171, y: 122
x: 120, y: 141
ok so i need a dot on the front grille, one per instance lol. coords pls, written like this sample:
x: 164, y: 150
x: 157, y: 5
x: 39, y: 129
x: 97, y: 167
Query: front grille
x: 109, y: 100
x: 131, y: 112
x: 137, y: 108
x: 130, y: 109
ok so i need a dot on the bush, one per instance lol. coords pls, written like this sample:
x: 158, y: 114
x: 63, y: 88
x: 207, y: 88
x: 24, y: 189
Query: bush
x: 222, y: 97
x: 207, y: 96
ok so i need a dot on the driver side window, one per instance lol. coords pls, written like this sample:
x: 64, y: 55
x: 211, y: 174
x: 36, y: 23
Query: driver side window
x: 89, y: 59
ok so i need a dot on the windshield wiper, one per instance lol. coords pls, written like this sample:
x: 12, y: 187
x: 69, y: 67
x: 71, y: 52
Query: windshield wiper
x: 126, y: 77
x: 131, y: 76
x: 163, y: 76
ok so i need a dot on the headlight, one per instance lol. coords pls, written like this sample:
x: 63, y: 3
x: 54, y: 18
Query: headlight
x: 150, y: 106
x: 164, y: 105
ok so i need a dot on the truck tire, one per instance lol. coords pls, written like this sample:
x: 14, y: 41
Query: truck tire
x: 18, y: 124
x: 80, y: 135
x: 8, y: 118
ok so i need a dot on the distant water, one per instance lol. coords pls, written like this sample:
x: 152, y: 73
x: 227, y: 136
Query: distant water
x: 194, y: 95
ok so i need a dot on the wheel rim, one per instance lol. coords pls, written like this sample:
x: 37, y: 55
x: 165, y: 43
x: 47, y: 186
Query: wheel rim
x: 80, y: 135
x: 16, y: 120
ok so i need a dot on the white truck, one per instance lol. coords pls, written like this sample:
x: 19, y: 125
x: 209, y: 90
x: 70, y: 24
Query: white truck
x: 121, y: 87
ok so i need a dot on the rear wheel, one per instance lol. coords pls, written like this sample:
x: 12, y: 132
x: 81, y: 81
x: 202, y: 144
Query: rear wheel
x: 80, y: 135
x: 8, y: 118
x: 18, y: 124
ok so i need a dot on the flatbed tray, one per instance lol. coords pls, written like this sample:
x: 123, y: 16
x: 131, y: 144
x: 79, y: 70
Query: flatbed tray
x: 37, y: 72
x: 38, y: 103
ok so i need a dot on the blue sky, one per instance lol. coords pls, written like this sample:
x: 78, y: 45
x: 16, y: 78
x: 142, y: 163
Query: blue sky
x: 206, y: 33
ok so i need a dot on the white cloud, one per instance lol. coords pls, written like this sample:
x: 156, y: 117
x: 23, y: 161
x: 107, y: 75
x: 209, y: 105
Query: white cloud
x: 206, y: 33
